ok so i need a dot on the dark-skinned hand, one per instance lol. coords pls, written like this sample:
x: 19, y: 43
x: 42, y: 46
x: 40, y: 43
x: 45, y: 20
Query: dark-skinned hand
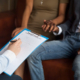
x: 50, y: 26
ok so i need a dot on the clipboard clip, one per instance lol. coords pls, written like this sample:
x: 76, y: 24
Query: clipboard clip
x: 36, y: 33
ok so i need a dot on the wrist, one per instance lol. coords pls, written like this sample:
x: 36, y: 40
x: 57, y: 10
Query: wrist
x: 23, y: 27
x: 55, y: 22
x: 57, y: 30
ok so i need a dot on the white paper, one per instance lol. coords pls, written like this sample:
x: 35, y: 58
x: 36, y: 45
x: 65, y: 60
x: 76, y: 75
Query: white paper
x: 30, y: 42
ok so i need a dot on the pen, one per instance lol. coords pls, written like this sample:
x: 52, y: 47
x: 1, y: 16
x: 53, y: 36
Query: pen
x: 13, y: 41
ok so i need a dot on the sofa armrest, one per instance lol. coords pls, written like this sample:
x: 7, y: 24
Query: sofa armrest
x: 7, y: 25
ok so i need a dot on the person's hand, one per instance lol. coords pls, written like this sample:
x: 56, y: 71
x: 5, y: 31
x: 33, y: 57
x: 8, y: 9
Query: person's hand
x: 46, y: 25
x: 15, y: 46
x: 16, y: 31
x: 79, y: 51
x: 50, y: 26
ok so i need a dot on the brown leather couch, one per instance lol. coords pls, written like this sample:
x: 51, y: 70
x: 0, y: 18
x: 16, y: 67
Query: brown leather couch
x: 60, y: 69
x: 6, y: 26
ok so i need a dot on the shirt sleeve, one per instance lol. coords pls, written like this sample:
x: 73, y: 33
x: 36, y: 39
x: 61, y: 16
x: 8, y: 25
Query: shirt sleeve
x: 64, y: 1
x: 6, y: 58
x: 60, y: 31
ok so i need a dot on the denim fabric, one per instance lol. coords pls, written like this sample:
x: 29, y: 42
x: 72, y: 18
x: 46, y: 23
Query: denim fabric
x: 66, y: 48
x: 13, y: 77
x: 76, y: 67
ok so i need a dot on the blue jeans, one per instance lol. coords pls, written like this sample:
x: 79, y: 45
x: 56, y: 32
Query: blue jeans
x: 66, y: 48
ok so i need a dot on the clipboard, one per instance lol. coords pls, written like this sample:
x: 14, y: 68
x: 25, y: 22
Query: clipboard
x: 30, y: 42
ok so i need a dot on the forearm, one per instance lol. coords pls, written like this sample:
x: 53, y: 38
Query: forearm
x: 3, y: 63
x: 26, y: 16
x: 6, y: 58
x: 59, y: 19
x: 64, y: 27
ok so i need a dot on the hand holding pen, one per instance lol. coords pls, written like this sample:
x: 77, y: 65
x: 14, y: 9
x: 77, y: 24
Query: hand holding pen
x: 14, y: 46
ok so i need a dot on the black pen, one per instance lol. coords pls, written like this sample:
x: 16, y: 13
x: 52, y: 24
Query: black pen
x: 13, y: 41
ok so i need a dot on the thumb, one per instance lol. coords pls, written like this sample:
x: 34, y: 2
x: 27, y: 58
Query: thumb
x: 18, y: 42
x: 44, y: 20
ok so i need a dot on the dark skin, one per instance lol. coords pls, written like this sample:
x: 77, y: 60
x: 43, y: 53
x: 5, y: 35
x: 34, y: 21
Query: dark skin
x: 28, y: 9
x: 50, y: 26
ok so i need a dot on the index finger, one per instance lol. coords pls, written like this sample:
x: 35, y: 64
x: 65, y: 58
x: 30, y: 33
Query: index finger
x: 18, y: 42
x: 47, y: 28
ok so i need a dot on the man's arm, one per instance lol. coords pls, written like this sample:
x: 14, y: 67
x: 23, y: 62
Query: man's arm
x: 58, y: 29
x: 62, y: 28
x: 65, y: 26
x: 7, y: 57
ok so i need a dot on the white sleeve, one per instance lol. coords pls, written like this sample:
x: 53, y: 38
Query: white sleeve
x: 6, y: 58
x: 9, y: 55
x: 60, y: 31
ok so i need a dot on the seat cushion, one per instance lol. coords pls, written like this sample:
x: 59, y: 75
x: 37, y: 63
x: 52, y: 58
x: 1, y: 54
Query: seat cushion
x: 60, y: 69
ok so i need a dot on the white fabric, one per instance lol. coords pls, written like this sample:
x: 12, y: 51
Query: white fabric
x: 6, y: 58
x: 60, y: 30
x: 10, y: 55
